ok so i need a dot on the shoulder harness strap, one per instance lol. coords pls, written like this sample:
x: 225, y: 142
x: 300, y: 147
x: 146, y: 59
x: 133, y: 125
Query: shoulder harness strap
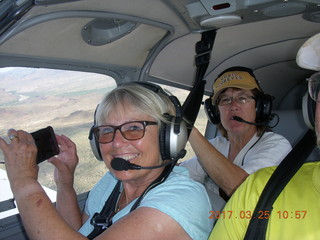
x: 281, y: 176
x: 101, y: 221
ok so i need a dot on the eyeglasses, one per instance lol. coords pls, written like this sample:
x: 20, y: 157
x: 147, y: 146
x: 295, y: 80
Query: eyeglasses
x: 314, y: 86
x: 130, y: 130
x: 242, y: 99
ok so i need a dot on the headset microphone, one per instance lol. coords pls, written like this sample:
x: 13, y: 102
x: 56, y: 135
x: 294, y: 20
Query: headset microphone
x: 119, y: 164
x: 239, y: 119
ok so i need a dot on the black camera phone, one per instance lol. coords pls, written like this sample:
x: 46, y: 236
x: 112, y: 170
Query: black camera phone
x: 46, y: 142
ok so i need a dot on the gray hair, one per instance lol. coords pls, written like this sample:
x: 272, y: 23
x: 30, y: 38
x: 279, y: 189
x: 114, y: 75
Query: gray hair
x: 143, y: 99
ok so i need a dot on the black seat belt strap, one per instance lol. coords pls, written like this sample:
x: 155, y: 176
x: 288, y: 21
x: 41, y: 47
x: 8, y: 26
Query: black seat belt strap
x: 281, y: 176
x: 193, y: 101
x: 101, y: 221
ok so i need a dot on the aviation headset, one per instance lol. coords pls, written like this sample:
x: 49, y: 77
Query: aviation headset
x: 263, y: 102
x: 173, y: 134
x: 309, y: 111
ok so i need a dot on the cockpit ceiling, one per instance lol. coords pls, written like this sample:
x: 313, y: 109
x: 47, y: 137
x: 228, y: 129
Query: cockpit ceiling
x: 61, y: 27
x: 66, y: 43
x: 257, y: 45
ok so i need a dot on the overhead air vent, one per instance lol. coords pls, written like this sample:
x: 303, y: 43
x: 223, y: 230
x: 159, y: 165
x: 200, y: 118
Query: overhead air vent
x: 103, y: 31
x: 221, y: 14
x: 220, y: 21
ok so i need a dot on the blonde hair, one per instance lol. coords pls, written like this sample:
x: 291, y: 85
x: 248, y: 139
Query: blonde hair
x: 145, y: 100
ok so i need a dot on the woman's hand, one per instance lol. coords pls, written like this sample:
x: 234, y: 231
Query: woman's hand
x: 20, y: 158
x: 65, y: 163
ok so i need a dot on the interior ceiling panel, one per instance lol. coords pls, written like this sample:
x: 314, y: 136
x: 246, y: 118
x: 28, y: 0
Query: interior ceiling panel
x: 255, y: 45
x: 66, y: 43
x: 60, y: 26
x: 147, y: 9
x: 184, y: 53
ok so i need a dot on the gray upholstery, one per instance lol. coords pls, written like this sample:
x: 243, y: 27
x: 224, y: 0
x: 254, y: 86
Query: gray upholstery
x: 292, y: 126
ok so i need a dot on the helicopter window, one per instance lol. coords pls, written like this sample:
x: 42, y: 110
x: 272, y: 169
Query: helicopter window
x: 34, y: 98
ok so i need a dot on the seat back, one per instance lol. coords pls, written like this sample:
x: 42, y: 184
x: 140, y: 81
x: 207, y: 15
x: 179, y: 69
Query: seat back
x: 293, y: 127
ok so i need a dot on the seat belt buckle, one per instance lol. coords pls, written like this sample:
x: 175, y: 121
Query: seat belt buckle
x: 101, y: 222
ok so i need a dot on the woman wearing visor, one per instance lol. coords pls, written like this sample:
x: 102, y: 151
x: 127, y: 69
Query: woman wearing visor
x: 157, y: 202
x: 295, y: 212
x: 245, y: 145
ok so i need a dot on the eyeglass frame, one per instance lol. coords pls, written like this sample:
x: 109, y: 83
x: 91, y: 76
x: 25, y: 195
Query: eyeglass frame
x: 236, y: 99
x: 115, y: 128
x: 314, y: 80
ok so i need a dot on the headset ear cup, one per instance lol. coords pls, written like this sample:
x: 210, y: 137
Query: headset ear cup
x: 308, y: 111
x: 172, y: 143
x: 164, y: 141
x: 211, y: 111
x: 263, y: 107
x: 94, y: 145
x: 178, y: 140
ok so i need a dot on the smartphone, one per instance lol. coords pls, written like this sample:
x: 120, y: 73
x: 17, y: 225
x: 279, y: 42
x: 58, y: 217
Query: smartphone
x: 46, y: 142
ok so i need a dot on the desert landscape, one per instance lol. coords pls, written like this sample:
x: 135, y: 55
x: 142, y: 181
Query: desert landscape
x: 66, y: 100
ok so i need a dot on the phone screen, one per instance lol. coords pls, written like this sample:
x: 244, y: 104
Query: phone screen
x: 46, y: 142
